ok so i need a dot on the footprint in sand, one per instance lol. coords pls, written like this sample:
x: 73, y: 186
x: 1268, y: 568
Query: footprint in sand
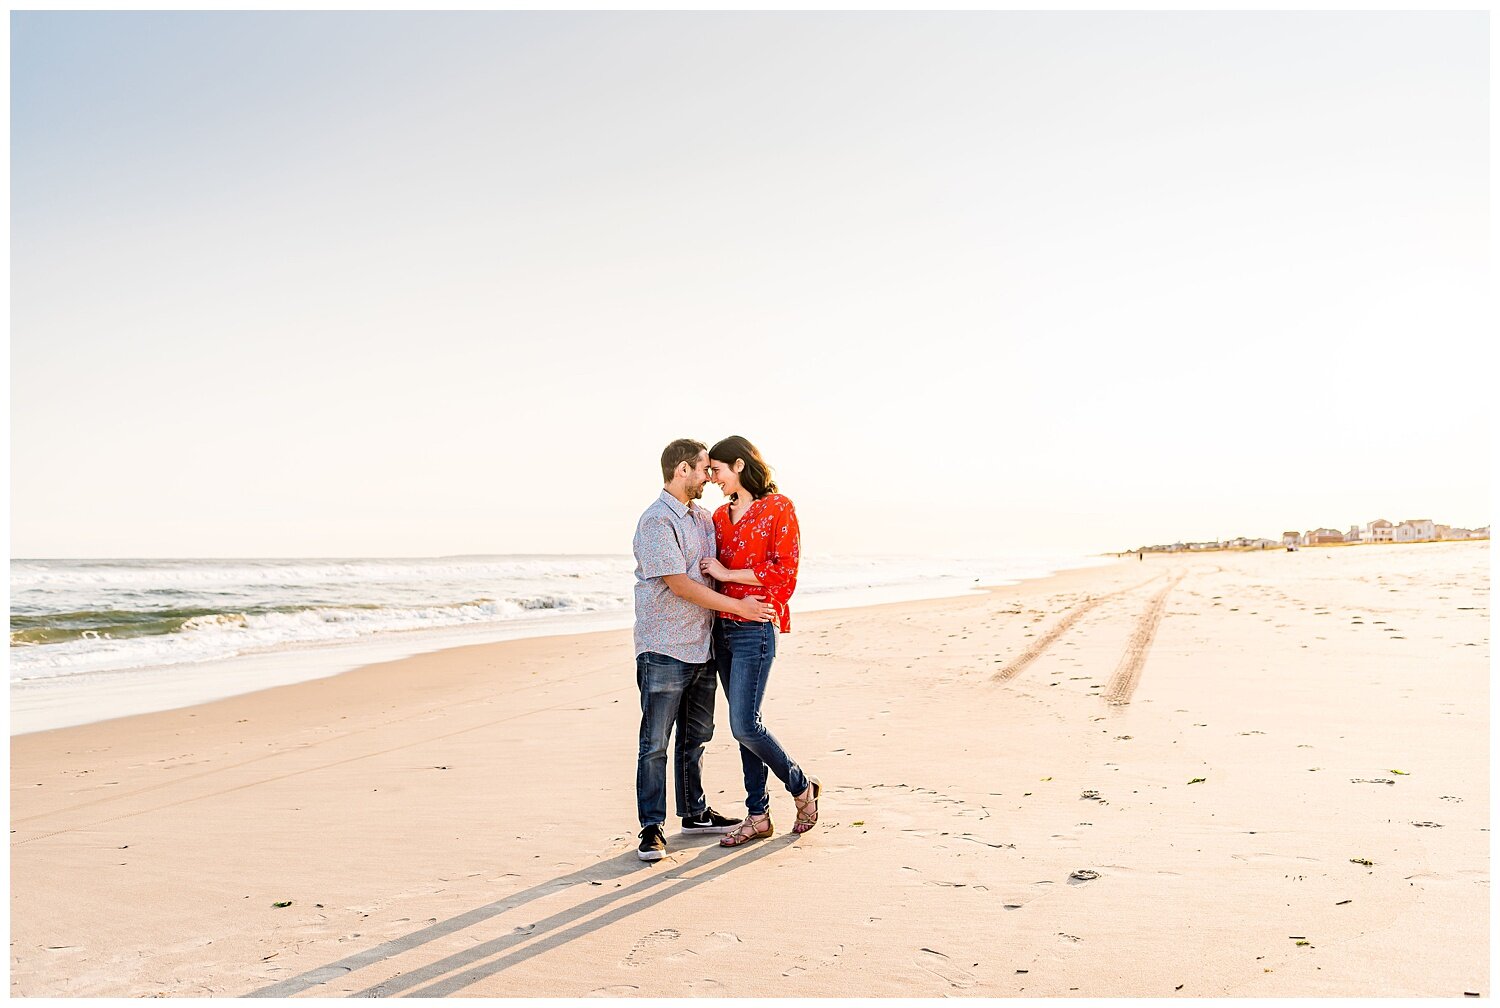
x: 649, y: 945
x: 944, y: 968
x: 617, y: 990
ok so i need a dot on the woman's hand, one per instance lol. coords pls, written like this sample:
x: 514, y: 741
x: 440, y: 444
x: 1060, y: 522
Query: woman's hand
x: 714, y: 569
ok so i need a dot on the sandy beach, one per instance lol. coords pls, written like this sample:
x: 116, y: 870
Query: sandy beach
x: 1232, y: 774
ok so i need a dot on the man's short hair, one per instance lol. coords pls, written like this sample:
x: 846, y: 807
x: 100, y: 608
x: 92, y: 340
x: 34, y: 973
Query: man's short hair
x: 679, y: 451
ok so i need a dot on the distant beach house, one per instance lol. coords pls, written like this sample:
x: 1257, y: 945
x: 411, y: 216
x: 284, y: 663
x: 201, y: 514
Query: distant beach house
x: 1245, y: 542
x: 1377, y: 531
x: 1415, y: 530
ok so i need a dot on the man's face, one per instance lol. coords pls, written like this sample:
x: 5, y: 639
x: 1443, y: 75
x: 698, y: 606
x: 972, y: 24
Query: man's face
x: 697, y: 477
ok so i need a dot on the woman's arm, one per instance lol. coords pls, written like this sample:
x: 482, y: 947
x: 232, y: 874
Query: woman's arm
x: 779, y: 569
x: 719, y: 572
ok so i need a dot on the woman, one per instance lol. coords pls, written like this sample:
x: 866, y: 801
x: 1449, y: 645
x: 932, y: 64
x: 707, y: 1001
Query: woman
x: 757, y: 538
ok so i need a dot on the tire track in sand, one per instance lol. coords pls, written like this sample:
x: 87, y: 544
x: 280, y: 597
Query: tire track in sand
x: 1127, y: 675
x: 1038, y: 648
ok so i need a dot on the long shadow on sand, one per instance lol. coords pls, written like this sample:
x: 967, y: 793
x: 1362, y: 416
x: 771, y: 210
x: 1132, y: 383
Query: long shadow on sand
x: 661, y: 881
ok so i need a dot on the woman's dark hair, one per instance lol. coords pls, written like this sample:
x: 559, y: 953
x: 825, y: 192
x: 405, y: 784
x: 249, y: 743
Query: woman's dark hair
x: 757, y: 475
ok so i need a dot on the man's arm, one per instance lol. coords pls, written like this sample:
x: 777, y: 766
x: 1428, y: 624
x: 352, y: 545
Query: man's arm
x: 684, y: 587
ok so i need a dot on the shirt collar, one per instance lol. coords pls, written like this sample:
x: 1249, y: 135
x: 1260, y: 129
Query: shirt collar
x: 678, y: 508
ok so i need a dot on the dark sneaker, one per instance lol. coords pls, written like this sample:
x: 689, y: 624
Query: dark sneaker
x: 653, y: 844
x: 709, y: 822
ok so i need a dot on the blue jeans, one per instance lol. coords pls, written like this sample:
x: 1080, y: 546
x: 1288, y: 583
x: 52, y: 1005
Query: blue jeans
x: 673, y: 694
x: 744, y: 652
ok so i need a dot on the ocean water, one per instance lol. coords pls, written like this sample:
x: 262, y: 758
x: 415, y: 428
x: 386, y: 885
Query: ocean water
x: 81, y: 622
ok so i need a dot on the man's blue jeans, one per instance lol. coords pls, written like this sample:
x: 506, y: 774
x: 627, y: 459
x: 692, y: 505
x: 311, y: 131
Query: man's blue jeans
x: 744, y: 652
x: 674, y: 694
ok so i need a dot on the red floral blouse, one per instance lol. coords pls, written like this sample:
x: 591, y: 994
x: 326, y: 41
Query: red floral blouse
x: 767, y: 541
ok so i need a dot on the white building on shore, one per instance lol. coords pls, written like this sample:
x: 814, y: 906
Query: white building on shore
x: 1415, y: 530
x: 1377, y: 531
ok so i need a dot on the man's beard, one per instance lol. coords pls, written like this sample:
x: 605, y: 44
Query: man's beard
x: 696, y: 493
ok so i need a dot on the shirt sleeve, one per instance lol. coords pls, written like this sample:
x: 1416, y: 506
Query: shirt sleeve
x: 657, y: 548
x: 778, y: 571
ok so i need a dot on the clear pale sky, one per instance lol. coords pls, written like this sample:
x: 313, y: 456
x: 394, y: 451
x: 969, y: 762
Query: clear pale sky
x: 420, y: 284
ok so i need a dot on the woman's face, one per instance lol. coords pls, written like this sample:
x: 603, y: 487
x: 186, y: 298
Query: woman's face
x: 725, y: 476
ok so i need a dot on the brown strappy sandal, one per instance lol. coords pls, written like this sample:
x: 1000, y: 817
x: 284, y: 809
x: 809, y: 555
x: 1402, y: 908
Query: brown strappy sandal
x: 807, y: 820
x: 748, y: 830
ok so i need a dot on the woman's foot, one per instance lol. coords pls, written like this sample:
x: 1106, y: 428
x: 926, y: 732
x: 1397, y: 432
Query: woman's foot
x: 755, y: 827
x: 807, y: 806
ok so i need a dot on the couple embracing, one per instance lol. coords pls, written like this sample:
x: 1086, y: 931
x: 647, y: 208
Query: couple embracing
x: 711, y: 594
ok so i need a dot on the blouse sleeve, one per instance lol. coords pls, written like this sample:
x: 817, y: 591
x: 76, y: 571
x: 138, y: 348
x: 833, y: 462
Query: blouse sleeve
x: 779, y: 569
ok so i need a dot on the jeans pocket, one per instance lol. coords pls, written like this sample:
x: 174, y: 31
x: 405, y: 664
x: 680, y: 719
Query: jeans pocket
x: 659, y: 673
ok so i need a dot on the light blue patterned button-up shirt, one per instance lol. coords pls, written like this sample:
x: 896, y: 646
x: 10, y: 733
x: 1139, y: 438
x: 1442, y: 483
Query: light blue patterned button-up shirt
x: 671, y: 538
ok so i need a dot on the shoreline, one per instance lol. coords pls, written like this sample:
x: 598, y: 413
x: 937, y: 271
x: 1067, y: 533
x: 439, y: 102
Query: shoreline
x: 462, y: 822
x: 45, y: 704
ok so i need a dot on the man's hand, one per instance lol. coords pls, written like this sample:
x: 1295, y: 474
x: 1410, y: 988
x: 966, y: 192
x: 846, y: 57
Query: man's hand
x: 714, y: 569
x: 756, y: 610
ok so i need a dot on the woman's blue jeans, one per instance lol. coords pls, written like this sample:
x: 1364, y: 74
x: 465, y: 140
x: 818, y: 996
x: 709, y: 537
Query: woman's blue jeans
x: 744, y: 652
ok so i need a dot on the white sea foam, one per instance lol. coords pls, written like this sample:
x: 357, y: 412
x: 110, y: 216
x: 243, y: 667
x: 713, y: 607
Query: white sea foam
x: 224, y: 635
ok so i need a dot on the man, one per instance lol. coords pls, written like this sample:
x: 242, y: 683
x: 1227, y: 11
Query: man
x: 675, y: 604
